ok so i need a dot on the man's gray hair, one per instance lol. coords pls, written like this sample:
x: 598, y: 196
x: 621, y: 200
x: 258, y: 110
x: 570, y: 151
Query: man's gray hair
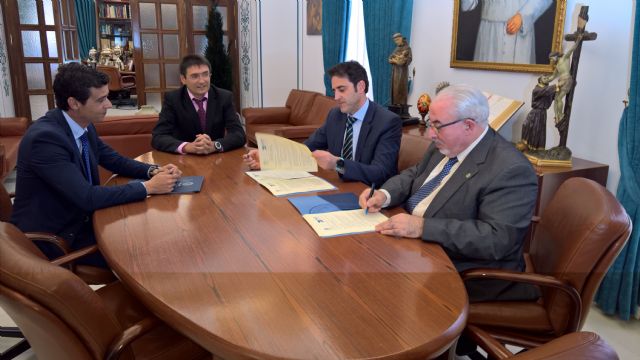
x: 468, y: 102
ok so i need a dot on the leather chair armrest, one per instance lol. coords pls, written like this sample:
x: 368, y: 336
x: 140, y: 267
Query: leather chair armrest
x: 493, y: 347
x: 14, y: 126
x: 70, y: 257
x: 58, y: 241
x: 129, y: 335
x: 268, y: 115
x: 534, y: 279
x: 296, y: 132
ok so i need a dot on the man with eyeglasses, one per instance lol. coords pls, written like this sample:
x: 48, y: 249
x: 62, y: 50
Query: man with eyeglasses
x: 198, y: 118
x: 473, y: 193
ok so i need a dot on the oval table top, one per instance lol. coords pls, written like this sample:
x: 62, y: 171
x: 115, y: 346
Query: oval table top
x: 240, y: 272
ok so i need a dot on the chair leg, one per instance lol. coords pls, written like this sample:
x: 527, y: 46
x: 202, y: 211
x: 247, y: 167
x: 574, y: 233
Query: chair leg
x: 18, y: 348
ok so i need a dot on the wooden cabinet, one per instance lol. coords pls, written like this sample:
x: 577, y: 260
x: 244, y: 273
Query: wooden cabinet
x: 114, y: 24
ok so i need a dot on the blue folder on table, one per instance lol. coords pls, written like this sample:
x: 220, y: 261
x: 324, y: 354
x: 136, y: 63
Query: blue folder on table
x: 318, y: 204
x: 185, y: 185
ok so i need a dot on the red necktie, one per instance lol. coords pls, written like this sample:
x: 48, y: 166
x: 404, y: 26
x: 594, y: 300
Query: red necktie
x: 202, y: 114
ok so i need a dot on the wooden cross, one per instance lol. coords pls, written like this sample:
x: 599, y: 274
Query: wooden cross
x: 579, y: 35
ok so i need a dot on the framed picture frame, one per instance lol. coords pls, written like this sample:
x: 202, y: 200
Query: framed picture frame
x: 508, y: 44
x: 314, y: 17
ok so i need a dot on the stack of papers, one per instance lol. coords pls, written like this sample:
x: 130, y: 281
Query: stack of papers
x: 336, y: 214
x: 286, y: 182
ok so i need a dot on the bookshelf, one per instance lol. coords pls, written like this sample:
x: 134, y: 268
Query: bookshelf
x: 114, y: 24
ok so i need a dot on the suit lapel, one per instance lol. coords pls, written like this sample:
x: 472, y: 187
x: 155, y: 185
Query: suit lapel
x: 467, y: 170
x: 364, y: 130
x: 62, y: 122
x: 211, y: 109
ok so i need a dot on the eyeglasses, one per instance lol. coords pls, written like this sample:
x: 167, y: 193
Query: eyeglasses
x: 436, y: 127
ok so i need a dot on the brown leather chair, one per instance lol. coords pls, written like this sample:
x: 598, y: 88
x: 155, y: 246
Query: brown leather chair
x: 412, y: 149
x: 120, y: 86
x: 90, y: 274
x: 576, y: 345
x: 63, y: 318
x: 577, y: 239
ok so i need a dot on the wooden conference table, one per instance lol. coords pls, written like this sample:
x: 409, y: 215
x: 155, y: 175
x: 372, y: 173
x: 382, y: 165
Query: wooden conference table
x: 241, y: 273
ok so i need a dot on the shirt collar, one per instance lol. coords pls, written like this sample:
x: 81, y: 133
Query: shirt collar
x: 463, y: 154
x: 76, y: 129
x: 191, y: 96
x: 359, y: 115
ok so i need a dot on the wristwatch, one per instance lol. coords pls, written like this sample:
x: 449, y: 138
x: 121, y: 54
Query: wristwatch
x: 151, y: 169
x: 340, y: 166
x: 217, y: 146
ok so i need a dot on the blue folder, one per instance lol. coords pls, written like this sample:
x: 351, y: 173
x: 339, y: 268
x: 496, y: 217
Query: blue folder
x: 318, y: 204
x: 185, y: 185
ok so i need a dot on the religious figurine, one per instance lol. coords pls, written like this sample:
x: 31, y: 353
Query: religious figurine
x: 92, y: 61
x: 534, y: 128
x: 116, y: 58
x: 400, y: 60
x: 105, y: 57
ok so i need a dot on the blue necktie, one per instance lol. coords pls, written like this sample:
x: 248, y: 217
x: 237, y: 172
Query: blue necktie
x: 347, y: 147
x: 428, y: 187
x: 84, y: 140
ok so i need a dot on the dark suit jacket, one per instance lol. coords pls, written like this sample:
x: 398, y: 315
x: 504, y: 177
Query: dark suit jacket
x: 482, y: 213
x: 179, y: 121
x: 52, y: 193
x: 376, y: 157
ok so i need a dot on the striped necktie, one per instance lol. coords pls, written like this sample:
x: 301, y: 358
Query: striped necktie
x: 429, y: 186
x: 202, y: 114
x: 347, y: 147
x: 84, y: 140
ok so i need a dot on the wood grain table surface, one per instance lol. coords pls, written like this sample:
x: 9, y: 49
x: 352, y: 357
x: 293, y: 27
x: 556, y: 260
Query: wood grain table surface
x: 240, y: 272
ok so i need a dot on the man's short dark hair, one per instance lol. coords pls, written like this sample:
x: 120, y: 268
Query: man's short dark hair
x: 192, y: 60
x: 76, y: 80
x: 353, y: 71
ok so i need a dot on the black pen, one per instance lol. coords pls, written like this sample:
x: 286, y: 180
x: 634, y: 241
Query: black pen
x: 373, y: 188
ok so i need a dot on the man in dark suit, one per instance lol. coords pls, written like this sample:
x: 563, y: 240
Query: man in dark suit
x: 360, y: 139
x: 473, y: 193
x: 57, y: 185
x: 198, y: 118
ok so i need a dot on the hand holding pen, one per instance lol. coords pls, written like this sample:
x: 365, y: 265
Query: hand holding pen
x: 372, y: 200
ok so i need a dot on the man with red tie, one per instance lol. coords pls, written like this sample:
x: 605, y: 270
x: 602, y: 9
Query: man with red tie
x: 198, y: 118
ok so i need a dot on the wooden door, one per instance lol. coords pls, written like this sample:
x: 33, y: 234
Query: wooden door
x: 166, y: 30
x: 42, y: 34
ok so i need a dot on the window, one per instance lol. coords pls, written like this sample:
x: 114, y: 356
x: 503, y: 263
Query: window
x: 356, y: 41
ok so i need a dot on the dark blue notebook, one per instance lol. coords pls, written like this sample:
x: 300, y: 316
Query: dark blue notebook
x: 185, y: 185
x: 318, y: 204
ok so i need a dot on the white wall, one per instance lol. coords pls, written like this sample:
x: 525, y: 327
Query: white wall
x: 6, y: 93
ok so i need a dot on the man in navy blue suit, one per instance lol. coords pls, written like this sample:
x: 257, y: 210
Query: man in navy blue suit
x: 57, y: 185
x: 360, y: 139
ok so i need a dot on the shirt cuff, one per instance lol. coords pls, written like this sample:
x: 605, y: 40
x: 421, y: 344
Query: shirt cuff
x: 388, y: 200
x: 179, y: 149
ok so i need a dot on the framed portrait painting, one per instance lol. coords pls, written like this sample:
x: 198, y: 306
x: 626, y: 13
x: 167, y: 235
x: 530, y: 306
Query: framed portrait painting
x: 507, y: 35
x: 314, y: 17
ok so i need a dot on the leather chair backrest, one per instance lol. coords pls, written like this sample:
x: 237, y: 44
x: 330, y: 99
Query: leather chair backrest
x: 114, y: 77
x: 579, y: 236
x: 6, y: 206
x: 319, y: 111
x: 300, y: 102
x: 39, y: 295
x: 412, y: 149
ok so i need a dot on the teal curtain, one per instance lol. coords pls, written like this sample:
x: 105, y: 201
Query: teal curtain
x: 86, y: 22
x: 335, y: 28
x: 618, y: 292
x: 382, y: 19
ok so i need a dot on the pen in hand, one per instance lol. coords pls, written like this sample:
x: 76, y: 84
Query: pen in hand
x: 373, y: 188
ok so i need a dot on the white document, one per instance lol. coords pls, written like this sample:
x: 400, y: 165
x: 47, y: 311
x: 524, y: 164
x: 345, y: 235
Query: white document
x: 347, y: 222
x: 279, y: 186
x: 277, y: 174
x: 278, y: 153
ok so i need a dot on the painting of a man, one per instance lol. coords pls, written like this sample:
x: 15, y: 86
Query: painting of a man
x: 506, y: 31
